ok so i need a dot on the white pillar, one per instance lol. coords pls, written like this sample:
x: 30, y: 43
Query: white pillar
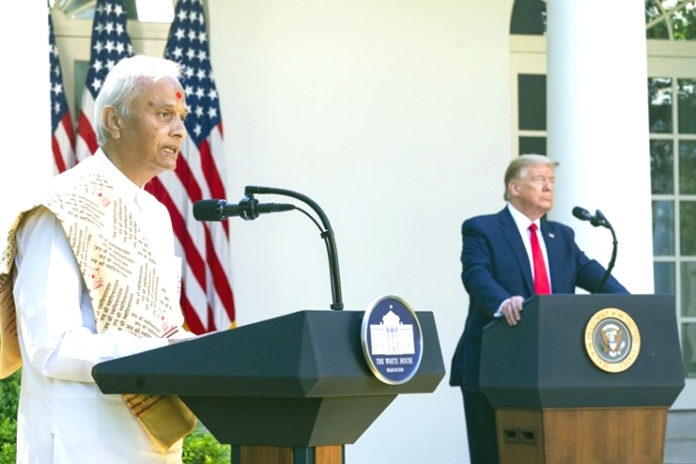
x: 598, y: 129
x: 25, y: 85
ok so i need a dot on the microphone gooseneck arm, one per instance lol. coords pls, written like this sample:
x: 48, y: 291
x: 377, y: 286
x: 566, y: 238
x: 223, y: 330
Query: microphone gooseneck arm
x: 599, y: 220
x: 327, y: 234
x: 612, y: 261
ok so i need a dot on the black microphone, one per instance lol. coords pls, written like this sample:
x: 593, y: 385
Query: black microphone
x: 600, y: 220
x: 597, y: 220
x: 582, y: 214
x: 248, y: 209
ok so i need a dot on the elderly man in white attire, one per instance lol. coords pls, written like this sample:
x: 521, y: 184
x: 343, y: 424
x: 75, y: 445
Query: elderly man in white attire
x: 63, y: 417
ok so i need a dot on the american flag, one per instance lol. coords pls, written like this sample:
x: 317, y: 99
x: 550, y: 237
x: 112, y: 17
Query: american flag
x: 110, y: 44
x: 206, y: 294
x: 62, y: 137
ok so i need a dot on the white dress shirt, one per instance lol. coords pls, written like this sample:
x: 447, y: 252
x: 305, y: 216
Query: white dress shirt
x: 63, y: 417
x: 523, y: 222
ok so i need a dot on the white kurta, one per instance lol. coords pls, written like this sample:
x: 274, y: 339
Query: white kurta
x: 63, y: 417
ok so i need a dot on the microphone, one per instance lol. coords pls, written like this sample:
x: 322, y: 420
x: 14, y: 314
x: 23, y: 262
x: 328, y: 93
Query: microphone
x: 582, y: 213
x: 248, y: 209
x: 597, y: 220
x: 326, y: 234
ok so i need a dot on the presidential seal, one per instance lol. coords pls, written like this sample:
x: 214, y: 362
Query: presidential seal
x: 392, y: 340
x: 612, y: 340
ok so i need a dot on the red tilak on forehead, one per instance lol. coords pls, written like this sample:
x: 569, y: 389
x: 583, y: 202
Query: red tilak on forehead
x: 178, y: 95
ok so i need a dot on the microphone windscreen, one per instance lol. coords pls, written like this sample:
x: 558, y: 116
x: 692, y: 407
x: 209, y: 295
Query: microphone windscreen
x: 581, y: 213
x: 207, y: 210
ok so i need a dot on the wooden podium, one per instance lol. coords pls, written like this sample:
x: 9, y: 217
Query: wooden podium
x: 293, y: 389
x: 555, y: 406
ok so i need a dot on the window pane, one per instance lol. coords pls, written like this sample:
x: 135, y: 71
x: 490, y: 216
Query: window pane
x: 80, y: 70
x: 668, y: 4
x: 528, y: 17
x: 664, y: 278
x: 687, y: 166
x: 651, y: 11
x: 687, y: 105
x: 687, y: 227
x: 131, y: 9
x: 76, y: 9
x: 532, y: 101
x: 689, y: 349
x: 529, y: 145
x: 658, y: 31
x: 661, y: 166
x: 159, y: 11
x: 663, y: 228
x: 660, y: 104
x: 688, y: 290
x: 684, y: 23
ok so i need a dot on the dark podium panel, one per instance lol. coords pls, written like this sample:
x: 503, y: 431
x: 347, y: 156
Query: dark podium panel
x: 299, y: 380
x: 554, y: 405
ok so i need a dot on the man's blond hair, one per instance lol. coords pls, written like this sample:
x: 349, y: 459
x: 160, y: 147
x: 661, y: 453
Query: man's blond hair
x: 516, y: 166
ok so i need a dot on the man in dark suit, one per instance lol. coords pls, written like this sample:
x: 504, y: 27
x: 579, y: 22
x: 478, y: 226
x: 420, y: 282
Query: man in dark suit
x: 506, y: 258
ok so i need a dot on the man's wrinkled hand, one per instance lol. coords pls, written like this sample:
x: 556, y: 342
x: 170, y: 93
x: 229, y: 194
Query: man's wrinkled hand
x: 512, y: 309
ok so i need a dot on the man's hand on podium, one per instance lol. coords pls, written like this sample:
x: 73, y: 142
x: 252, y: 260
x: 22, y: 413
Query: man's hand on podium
x: 512, y: 309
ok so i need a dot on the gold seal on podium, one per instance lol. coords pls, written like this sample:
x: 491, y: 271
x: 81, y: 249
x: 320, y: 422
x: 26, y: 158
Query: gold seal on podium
x: 612, y: 340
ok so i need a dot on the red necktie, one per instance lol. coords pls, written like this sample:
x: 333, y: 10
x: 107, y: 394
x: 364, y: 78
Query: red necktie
x: 541, y: 278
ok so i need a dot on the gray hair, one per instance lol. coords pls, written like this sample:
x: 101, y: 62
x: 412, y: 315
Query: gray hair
x: 120, y: 86
x: 514, y: 169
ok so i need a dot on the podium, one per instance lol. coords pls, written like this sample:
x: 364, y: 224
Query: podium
x: 292, y: 389
x: 554, y: 405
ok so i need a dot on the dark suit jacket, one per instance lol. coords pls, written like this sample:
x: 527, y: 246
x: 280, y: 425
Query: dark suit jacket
x: 495, y: 267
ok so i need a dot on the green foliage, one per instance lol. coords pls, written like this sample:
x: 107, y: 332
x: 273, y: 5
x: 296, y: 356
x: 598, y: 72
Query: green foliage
x: 200, y: 447
x: 684, y: 24
x: 9, y: 399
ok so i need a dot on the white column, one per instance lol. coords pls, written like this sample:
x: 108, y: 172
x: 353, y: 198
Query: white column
x: 26, y: 161
x: 598, y: 129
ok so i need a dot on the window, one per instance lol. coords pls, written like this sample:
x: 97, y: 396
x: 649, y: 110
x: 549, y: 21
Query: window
x: 672, y: 104
x: 664, y: 19
x: 531, y: 109
x: 148, y: 27
x: 153, y: 11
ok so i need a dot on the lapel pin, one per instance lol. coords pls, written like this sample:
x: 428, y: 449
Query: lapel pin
x: 552, y: 235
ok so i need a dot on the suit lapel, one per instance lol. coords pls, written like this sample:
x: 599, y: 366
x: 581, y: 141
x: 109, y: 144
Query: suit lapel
x: 512, y: 235
x: 553, y: 250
